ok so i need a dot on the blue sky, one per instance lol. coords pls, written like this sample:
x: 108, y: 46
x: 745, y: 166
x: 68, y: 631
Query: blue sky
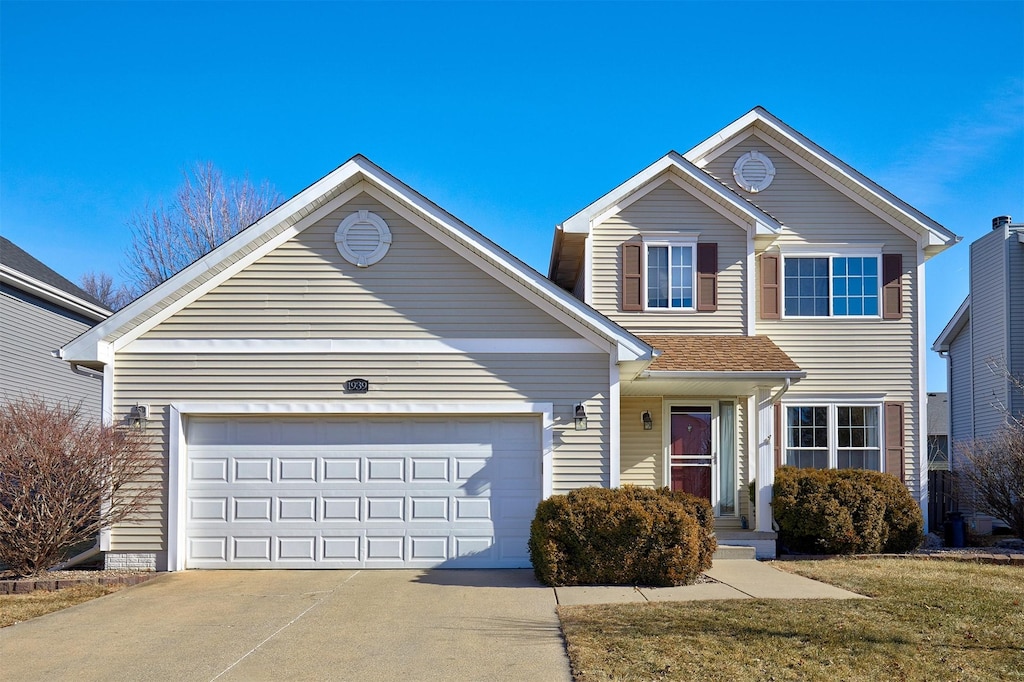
x: 511, y: 116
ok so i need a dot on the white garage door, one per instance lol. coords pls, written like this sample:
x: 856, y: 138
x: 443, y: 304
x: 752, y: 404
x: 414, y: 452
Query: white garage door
x: 361, y: 492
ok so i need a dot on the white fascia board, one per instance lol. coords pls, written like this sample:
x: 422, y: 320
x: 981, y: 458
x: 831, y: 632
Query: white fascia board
x: 936, y: 234
x: 686, y: 173
x: 953, y: 328
x: 52, y: 294
x: 156, y: 298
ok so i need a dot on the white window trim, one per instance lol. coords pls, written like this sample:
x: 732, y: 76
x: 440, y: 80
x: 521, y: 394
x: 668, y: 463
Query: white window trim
x: 829, y: 251
x: 677, y: 239
x: 832, y: 418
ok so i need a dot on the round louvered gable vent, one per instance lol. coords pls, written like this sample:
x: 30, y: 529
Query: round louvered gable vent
x: 753, y: 171
x: 363, y: 238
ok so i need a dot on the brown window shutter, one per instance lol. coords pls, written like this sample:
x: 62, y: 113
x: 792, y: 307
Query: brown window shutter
x: 707, y: 277
x: 770, y: 308
x: 780, y: 435
x: 892, y: 286
x: 894, y: 438
x: 632, y: 277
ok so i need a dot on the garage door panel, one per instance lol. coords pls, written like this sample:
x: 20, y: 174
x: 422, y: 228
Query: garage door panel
x: 351, y: 492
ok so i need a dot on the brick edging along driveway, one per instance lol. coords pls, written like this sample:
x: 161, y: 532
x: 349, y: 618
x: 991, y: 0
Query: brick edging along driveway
x: 25, y: 586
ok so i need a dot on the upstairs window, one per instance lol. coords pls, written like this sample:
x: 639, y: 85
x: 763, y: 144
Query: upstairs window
x: 837, y: 286
x: 671, y: 276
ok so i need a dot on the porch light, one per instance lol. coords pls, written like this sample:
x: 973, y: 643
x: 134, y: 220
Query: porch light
x: 580, y: 417
x: 138, y: 416
x: 647, y: 420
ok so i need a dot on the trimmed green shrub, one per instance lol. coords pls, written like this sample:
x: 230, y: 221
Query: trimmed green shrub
x: 626, y: 536
x: 845, y: 511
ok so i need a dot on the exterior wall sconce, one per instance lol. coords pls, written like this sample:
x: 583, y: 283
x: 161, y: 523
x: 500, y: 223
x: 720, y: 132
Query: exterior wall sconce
x: 138, y: 416
x: 580, y: 417
x: 647, y: 420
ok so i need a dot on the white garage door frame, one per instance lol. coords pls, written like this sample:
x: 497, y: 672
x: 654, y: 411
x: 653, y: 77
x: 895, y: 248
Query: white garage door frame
x: 178, y: 446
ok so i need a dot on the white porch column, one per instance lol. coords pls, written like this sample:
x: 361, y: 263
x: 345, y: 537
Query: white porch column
x: 765, y: 458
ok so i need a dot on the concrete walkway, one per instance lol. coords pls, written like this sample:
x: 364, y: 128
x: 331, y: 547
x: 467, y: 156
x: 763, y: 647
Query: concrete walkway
x: 735, y: 579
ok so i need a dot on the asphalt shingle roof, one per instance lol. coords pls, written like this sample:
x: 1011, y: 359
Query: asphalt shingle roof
x: 18, y: 259
x: 704, y: 353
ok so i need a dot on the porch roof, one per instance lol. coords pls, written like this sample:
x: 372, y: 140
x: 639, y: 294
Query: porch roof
x: 702, y: 353
x: 713, y: 365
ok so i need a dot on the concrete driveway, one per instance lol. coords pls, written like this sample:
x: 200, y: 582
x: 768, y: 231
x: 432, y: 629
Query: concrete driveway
x: 300, y: 625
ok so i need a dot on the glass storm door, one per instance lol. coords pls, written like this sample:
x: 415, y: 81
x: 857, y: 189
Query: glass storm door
x: 690, y: 451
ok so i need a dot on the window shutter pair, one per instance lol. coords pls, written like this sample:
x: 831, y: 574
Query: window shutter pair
x: 633, y: 278
x: 892, y: 286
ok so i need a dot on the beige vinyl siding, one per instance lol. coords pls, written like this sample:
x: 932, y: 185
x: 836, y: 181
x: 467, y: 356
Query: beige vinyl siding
x: 670, y: 208
x: 580, y: 457
x: 304, y: 289
x: 989, y: 330
x: 641, y: 454
x: 30, y: 330
x: 840, y: 356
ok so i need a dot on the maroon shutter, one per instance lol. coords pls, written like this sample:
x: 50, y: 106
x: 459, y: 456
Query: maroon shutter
x: 707, y: 277
x: 770, y: 309
x: 894, y: 436
x: 780, y: 436
x: 892, y: 286
x: 632, y: 277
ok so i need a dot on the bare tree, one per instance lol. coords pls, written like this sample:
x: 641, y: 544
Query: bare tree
x: 992, y: 469
x: 206, y: 212
x: 101, y: 286
x: 63, y: 479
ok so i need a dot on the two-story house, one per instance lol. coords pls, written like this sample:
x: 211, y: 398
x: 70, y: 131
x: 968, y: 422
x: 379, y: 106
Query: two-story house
x: 783, y: 293
x: 984, y: 341
x: 360, y: 379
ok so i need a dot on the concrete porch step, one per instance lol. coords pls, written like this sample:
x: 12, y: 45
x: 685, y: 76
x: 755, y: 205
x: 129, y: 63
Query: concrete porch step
x: 726, y: 552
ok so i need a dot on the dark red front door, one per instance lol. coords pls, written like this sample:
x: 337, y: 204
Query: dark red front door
x: 690, y: 450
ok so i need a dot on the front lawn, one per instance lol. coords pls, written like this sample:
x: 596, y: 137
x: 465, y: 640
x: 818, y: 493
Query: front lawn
x: 15, y: 608
x: 929, y: 620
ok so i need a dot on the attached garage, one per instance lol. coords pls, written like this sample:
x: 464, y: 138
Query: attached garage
x: 361, y: 492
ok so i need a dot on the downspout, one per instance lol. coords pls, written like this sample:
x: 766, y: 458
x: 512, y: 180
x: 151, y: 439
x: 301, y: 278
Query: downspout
x: 80, y: 558
x: 778, y: 394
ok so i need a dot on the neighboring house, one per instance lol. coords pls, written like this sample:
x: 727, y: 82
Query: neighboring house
x: 39, y: 312
x: 938, y: 432
x: 985, y: 338
x: 361, y: 380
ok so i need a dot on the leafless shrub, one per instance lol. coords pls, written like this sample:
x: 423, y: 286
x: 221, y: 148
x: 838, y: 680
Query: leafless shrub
x: 205, y: 213
x: 62, y: 480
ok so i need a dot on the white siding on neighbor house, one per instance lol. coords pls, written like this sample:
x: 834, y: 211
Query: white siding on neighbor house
x: 840, y: 356
x: 667, y: 209
x: 305, y: 290
x: 580, y: 457
x: 30, y: 329
x: 961, y: 403
x: 989, y: 330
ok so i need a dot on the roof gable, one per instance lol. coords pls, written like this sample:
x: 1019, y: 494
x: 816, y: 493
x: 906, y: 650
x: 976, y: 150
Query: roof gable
x: 21, y: 270
x: 356, y: 176
x: 828, y: 168
x: 953, y: 328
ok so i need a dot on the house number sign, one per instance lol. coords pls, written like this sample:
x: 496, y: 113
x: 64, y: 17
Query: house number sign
x: 357, y: 386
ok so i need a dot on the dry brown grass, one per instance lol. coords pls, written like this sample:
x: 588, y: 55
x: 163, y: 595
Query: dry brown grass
x: 15, y: 608
x: 928, y: 620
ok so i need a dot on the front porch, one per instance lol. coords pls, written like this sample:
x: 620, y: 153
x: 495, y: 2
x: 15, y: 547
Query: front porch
x: 731, y: 535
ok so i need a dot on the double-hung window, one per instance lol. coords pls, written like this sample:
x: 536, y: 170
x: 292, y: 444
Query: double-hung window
x: 831, y: 286
x: 833, y: 436
x: 671, y: 275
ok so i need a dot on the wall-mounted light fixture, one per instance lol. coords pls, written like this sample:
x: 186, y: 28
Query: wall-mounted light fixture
x: 647, y: 420
x: 580, y: 417
x: 138, y: 416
